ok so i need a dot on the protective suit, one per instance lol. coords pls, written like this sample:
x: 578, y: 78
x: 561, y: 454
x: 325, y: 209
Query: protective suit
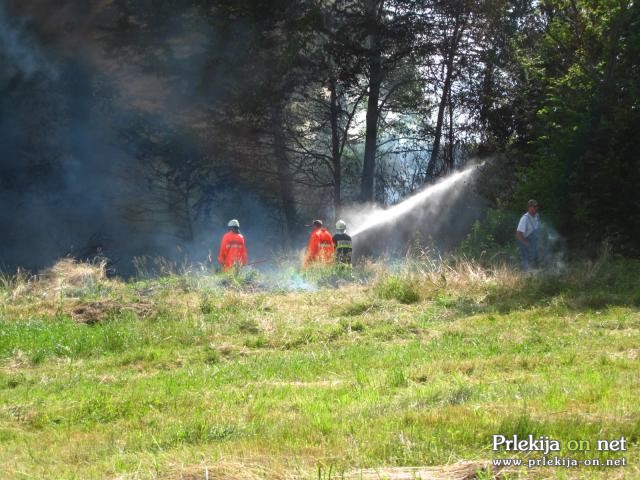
x: 342, y: 244
x: 232, y: 248
x: 320, y: 248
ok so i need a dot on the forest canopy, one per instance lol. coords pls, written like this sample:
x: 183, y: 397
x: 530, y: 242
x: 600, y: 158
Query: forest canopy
x: 140, y: 127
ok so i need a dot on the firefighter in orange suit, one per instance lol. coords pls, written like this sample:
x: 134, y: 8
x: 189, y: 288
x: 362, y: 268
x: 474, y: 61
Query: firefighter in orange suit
x: 320, y: 247
x: 232, y: 249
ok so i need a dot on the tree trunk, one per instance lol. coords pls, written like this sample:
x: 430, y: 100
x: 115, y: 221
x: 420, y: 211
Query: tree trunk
x: 485, y: 99
x: 336, y: 159
x: 443, y: 103
x: 375, y: 79
x: 285, y: 179
x: 446, y: 91
x: 187, y: 213
x: 450, y: 154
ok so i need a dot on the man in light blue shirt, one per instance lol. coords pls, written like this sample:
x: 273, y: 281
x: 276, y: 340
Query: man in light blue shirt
x: 527, y: 235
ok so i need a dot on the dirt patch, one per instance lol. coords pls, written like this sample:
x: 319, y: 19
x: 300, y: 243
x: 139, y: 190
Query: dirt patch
x: 457, y: 471
x: 99, y: 311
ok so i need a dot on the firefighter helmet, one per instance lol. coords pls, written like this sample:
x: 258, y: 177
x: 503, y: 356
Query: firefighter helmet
x: 233, y: 223
x: 341, y: 225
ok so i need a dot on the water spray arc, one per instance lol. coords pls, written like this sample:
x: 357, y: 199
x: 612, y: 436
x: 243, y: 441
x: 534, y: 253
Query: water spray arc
x: 378, y: 217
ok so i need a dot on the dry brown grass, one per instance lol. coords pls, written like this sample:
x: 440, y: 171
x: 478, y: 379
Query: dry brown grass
x: 18, y: 284
x: 69, y: 273
x: 464, y: 275
x: 65, y: 278
x: 233, y: 470
x: 95, y: 312
x: 227, y: 470
x: 457, y: 471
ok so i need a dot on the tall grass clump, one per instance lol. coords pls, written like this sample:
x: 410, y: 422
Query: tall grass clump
x: 404, y: 289
x: 14, y: 285
x: 66, y: 278
x: 72, y: 278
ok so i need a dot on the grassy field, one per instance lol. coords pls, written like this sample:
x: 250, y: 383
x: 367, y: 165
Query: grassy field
x: 318, y: 376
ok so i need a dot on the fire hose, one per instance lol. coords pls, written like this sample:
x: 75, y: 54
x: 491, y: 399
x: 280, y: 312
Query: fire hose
x: 257, y: 262
x: 264, y: 260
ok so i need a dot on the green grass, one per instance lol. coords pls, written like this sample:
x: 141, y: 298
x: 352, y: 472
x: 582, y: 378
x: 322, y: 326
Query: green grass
x: 401, y: 289
x: 419, y: 366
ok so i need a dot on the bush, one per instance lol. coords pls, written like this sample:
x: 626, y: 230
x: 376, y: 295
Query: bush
x: 493, y: 239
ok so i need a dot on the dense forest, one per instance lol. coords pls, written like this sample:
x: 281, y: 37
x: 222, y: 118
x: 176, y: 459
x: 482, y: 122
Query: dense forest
x: 139, y: 127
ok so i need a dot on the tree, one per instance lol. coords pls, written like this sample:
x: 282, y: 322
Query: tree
x: 574, y: 118
x: 453, y: 20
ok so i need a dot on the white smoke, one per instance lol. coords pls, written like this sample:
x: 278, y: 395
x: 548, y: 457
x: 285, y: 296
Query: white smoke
x: 19, y: 52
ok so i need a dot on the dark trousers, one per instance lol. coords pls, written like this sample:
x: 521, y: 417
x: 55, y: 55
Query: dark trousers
x: 529, y: 253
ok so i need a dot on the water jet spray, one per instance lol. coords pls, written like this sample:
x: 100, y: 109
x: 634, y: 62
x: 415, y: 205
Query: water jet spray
x: 378, y: 217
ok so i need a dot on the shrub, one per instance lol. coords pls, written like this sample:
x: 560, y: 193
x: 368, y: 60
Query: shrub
x: 492, y: 239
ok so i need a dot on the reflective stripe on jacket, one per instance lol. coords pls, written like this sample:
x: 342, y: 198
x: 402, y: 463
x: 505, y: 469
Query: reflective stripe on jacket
x: 343, y: 246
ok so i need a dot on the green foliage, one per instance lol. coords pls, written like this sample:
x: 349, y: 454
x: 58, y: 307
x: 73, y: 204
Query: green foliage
x: 493, y: 239
x: 584, y: 169
x: 522, y: 425
x: 397, y: 379
x: 358, y: 308
x: 399, y: 288
x: 240, y: 277
x: 199, y: 432
x: 207, y: 305
x: 62, y: 337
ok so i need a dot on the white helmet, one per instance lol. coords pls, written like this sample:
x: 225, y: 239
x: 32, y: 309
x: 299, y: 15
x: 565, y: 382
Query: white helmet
x: 233, y: 223
x: 340, y: 225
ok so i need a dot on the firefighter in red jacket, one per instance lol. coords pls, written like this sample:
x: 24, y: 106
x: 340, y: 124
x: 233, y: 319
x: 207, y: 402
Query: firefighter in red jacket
x: 232, y: 249
x: 320, y: 247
